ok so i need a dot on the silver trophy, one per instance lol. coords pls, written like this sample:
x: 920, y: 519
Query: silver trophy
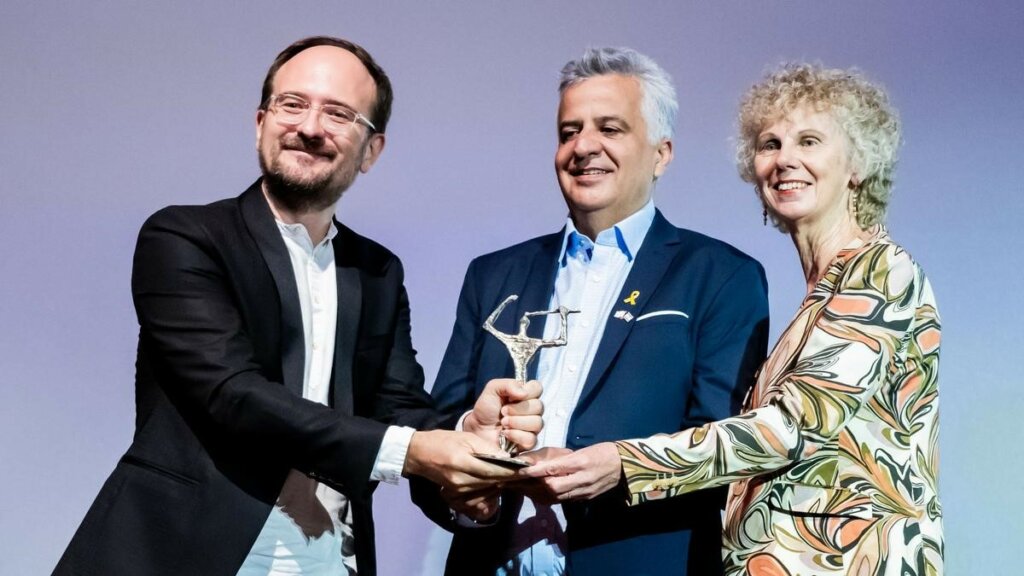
x: 522, y: 348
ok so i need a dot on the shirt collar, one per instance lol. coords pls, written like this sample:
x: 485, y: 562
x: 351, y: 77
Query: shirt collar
x: 627, y: 236
x: 298, y: 234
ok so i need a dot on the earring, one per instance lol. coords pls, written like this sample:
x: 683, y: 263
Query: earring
x: 854, y: 185
x: 764, y: 207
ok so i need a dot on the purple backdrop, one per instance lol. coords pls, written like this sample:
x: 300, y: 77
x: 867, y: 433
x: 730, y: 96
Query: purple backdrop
x: 110, y: 110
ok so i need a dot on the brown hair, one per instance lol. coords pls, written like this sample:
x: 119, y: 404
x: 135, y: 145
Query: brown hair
x: 381, y: 108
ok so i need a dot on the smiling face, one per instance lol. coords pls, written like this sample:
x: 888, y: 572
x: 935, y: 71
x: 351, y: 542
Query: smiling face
x: 306, y: 168
x: 803, y: 169
x: 605, y: 164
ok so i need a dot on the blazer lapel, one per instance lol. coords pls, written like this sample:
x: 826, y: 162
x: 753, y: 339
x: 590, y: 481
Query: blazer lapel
x: 652, y: 261
x: 538, y: 285
x: 350, y: 306
x: 260, y: 221
x: 533, y: 282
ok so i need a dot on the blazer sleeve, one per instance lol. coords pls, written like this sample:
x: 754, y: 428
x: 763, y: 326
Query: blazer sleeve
x: 454, y: 391
x: 401, y: 399
x: 190, y: 324
x: 730, y: 345
x: 846, y: 355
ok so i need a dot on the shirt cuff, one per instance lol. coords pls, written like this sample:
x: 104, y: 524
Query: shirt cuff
x: 391, y: 457
x: 458, y: 425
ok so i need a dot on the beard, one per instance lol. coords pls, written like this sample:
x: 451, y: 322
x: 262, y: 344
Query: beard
x: 305, y: 193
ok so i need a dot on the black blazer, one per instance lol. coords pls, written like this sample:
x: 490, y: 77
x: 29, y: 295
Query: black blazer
x: 685, y: 355
x: 220, y: 415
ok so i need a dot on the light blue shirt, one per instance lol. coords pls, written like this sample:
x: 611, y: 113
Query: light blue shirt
x: 589, y: 279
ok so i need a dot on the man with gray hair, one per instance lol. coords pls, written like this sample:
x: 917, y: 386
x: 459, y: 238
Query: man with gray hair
x: 671, y: 326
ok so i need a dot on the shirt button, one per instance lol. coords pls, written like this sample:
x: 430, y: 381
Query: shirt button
x: 560, y: 412
x: 571, y: 368
x: 585, y: 323
x: 595, y: 279
x: 544, y: 523
x: 315, y: 345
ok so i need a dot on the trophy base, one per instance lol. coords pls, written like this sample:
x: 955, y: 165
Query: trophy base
x: 504, y: 461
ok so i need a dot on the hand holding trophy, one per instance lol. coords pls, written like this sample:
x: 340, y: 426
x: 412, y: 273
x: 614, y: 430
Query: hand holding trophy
x: 522, y: 348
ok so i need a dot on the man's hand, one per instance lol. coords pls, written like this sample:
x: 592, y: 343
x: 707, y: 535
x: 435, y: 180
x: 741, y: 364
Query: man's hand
x: 509, y: 408
x: 479, y: 505
x: 446, y: 458
x: 580, y: 475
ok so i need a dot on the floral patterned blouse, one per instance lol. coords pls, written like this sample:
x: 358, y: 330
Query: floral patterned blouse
x: 834, y: 461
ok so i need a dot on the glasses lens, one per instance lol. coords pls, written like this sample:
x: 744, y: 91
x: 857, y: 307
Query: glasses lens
x: 291, y: 109
x: 333, y: 118
x: 337, y: 118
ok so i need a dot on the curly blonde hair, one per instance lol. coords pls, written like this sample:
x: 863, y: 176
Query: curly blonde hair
x: 859, y: 107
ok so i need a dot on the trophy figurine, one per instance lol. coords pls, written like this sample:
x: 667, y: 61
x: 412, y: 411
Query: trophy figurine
x: 522, y: 349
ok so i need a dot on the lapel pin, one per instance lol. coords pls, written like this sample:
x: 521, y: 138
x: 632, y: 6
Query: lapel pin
x: 631, y: 299
x: 623, y: 315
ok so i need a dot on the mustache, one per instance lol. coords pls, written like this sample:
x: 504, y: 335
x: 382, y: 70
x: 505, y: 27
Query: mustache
x: 307, y: 145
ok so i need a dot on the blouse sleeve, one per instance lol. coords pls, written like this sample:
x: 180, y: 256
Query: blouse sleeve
x: 854, y: 342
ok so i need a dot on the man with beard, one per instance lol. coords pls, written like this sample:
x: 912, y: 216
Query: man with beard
x: 276, y: 382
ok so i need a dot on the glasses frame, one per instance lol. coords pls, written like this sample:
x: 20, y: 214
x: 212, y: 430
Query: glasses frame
x: 272, y: 106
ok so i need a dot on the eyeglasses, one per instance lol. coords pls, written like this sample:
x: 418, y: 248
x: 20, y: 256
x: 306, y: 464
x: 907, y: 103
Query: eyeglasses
x: 334, y: 118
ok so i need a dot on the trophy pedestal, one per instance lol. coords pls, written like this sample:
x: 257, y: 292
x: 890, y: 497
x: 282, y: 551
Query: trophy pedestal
x: 503, y: 460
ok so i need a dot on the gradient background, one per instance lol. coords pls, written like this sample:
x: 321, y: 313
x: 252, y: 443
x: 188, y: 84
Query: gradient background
x: 111, y: 110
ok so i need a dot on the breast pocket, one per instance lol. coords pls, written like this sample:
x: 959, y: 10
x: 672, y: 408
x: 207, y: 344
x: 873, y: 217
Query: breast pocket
x: 656, y: 316
x: 661, y: 334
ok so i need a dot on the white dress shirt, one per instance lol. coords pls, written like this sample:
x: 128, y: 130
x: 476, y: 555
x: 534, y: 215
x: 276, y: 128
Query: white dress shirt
x: 309, y: 530
x: 589, y: 279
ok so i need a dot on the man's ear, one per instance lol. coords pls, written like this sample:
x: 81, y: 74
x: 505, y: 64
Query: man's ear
x: 261, y: 115
x: 374, y: 147
x: 664, y: 157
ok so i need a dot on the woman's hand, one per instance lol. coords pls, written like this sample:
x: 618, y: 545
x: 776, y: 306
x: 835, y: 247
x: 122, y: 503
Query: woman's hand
x: 580, y: 475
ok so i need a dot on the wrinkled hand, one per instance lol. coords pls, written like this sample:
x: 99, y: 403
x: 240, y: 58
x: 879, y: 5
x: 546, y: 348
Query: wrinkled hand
x: 544, y: 455
x: 580, y: 475
x: 508, y: 408
x: 446, y: 458
x: 536, y: 488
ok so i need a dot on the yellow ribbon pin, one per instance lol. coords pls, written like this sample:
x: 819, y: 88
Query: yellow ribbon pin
x: 631, y: 300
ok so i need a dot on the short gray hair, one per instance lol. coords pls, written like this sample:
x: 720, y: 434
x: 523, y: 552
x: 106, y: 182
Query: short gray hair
x: 658, y: 105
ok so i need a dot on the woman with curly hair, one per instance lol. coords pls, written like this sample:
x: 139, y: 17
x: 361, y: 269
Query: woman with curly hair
x: 833, y: 463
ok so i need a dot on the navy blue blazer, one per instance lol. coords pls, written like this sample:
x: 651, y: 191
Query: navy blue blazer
x: 662, y: 373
